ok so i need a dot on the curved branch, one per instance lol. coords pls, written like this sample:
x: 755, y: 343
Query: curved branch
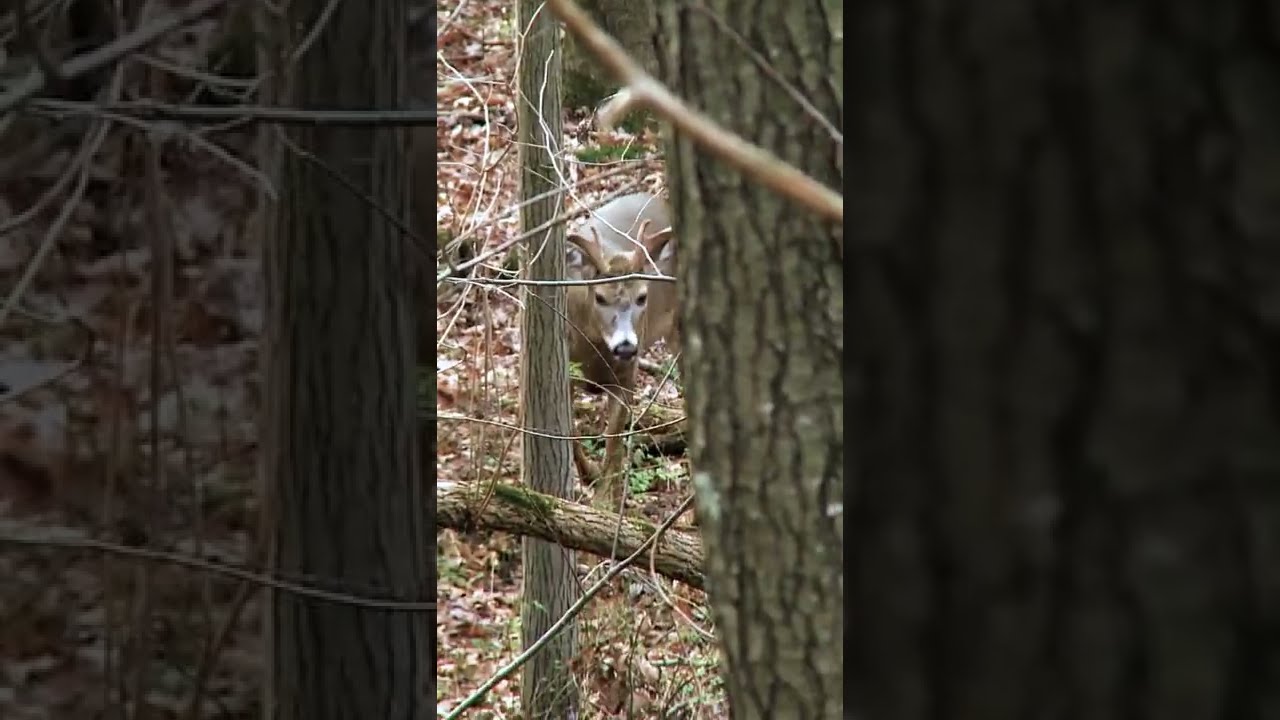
x: 641, y: 89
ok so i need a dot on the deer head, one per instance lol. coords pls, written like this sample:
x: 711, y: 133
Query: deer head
x: 610, y: 313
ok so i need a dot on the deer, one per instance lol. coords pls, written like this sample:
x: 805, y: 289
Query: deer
x: 611, y: 324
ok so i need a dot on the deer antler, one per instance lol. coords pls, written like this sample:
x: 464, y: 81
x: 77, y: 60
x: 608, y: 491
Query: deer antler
x: 590, y: 249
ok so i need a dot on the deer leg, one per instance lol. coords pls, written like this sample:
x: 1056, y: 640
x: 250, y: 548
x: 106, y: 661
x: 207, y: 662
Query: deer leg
x: 613, y: 482
x: 586, y: 471
x: 581, y: 461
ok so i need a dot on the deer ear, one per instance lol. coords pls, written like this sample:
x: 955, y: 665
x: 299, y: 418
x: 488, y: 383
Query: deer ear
x: 577, y: 264
x: 669, y: 246
x: 660, y: 246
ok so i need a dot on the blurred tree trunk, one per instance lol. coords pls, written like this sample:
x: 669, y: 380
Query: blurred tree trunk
x: 421, y: 252
x: 762, y: 311
x: 345, y: 506
x: 1067, y: 361
x: 548, y: 689
x: 631, y: 23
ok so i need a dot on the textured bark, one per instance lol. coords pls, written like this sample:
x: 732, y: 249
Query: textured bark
x: 422, y: 185
x: 547, y: 686
x: 346, y: 508
x: 762, y: 312
x: 1067, y: 415
x: 502, y: 508
x: 631, y: 23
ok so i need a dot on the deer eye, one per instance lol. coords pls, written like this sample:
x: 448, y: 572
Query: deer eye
x: 601, y: 299
x: 641, y: 299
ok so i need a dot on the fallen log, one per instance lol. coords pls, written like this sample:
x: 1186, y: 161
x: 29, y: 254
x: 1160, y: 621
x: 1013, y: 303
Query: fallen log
x: 515, y: 509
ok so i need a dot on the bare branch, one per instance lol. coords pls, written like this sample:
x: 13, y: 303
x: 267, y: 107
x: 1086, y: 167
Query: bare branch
x: 188, y: 561
x: 451, y: 417
x: 54, y: 232
x: 642, y: 90
x: 495, y: 282
x: 36, y: 80
x: 153, y: 110
x: 28, y: 33
x: 460, y: 269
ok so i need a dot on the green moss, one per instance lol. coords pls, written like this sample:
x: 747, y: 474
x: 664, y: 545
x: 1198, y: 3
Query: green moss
x: 638, y: 120
x: 522, y: 497
x: 609, y: 153
x: 647, y: 528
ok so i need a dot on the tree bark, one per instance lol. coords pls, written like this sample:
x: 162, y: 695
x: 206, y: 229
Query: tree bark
x: 547, y: 687
x: 762, y: 312
x: 420, y: 251
x: 345, y: 505
x: 1067, y: 409
x: 469, y: 507
x: 631, y: 23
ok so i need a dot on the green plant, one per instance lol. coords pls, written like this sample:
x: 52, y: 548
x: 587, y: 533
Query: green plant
x: 449, y: 569
x: 609, y: 153
x: 644, y: 477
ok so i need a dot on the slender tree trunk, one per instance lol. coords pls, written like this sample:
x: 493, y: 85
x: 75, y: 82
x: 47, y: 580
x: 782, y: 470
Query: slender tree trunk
x: 346, y: 507
x: 1067, y: 359
x: 762, y: 311
x: 550, y: 583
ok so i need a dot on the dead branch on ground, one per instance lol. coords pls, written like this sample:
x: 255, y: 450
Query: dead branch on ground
x: 517, y: 510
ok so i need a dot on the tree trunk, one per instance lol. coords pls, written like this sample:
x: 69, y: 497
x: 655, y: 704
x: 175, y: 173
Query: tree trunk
x: 419, y: 253
x: 631, y: 23
x: 346, y: 507
x: 762, y: 310
x: 547, y: 688
x: 1067, y: 362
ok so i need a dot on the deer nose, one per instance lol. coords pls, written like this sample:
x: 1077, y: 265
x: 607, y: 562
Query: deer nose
x: 624, y: 351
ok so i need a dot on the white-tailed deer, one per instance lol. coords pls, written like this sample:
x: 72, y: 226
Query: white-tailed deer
x: 611, y: 324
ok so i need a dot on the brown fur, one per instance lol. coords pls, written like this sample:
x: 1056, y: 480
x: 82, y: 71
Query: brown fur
x: 604, y: 371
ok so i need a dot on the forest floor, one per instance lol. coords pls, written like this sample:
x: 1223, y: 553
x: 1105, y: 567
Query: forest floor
x: 128, y: 434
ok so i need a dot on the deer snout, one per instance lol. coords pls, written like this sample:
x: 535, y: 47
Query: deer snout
x: 622, y: 342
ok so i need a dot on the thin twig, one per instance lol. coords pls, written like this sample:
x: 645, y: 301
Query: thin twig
x: 55, y: 228
x: 419, y: 243
x: 13, y: 393
x: 506, y: 426
x: 495, y: 282
x: 462, y: 268
x: 231, y: 571
x: 155, y: 110
x: 28, y: 33
x: 35, y: 81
